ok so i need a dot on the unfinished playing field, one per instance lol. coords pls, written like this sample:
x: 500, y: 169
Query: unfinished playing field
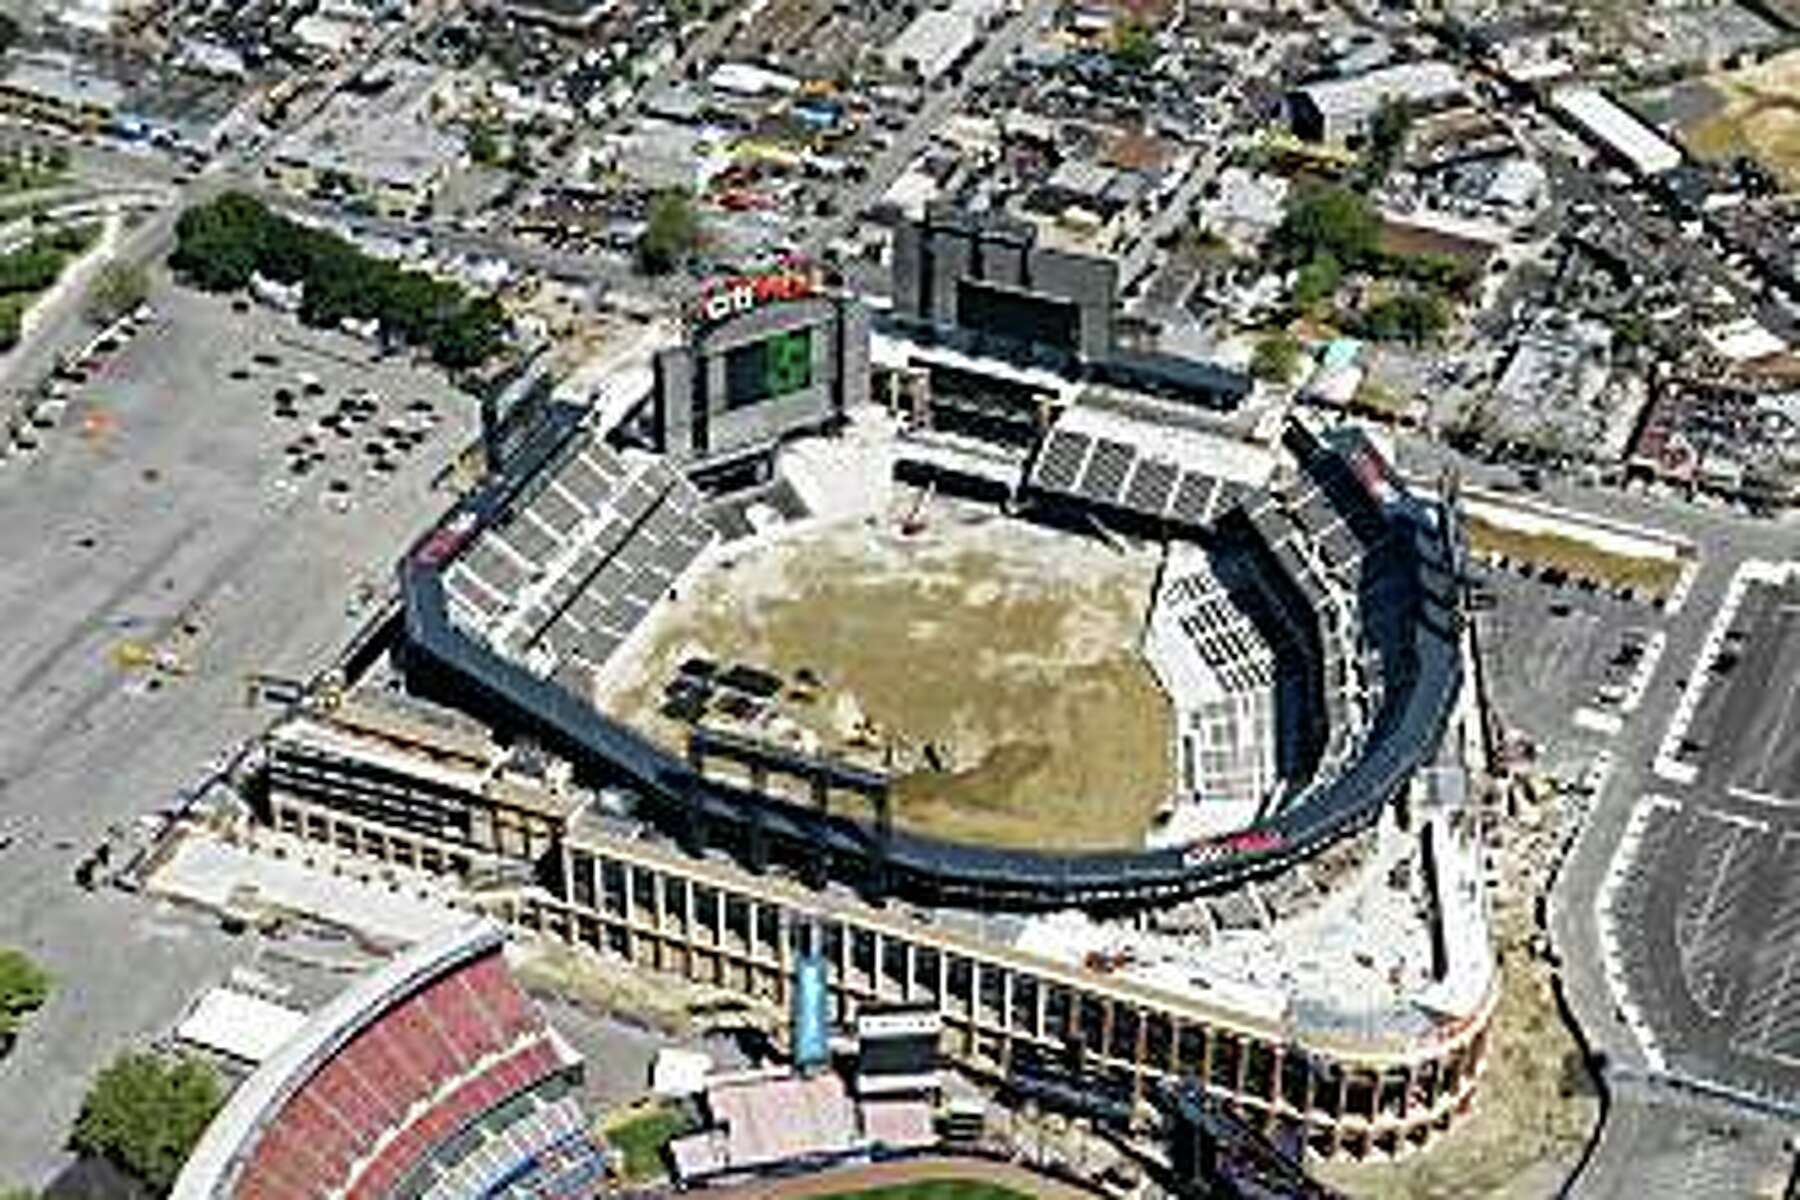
x: 1759, y: 116
x: 992, y: 662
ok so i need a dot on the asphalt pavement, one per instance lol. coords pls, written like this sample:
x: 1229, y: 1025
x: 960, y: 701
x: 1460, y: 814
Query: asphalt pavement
x: 162, y: 521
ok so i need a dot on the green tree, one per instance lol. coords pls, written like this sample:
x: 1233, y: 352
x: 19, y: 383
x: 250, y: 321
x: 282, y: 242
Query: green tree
x: 483, y: 146
x: 1318, y: 280
x: 1387, y: 138
x: 671, y: 233
x: 1133, y: 45
x: 145, y: 1112
x: 1332, y: 220
x: 1277, y: 357
x: 119, y: 288
x: 471, y: 336
x: 24, y: 986
x: 1414, y: 317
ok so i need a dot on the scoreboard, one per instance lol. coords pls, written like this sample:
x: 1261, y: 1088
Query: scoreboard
x: 777, y: 365
x: 764, y: 358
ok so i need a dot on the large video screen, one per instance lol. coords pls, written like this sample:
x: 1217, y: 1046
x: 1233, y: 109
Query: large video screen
x: 778, y: 365
x: 1016, y: 315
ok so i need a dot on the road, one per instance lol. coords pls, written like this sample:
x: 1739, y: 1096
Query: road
x: 943, y: 99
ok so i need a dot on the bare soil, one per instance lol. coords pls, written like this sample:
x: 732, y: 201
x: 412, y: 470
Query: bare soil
x: 989, y: 666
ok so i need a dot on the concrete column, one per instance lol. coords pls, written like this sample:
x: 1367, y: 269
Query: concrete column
x: 1243, y: 1065
x: 1138, y: 1053
x: 1106, y: 1030
x: 1275, y: 1090
x: 910, y: 964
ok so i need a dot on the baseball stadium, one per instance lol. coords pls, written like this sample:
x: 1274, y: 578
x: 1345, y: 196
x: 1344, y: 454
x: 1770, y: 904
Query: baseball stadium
x: 994, y: 669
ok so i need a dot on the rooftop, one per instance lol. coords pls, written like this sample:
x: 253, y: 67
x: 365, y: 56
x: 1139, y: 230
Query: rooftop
x: 389, y: 138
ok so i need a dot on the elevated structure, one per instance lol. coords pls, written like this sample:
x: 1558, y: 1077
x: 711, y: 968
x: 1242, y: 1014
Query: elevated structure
x: 765, y: 357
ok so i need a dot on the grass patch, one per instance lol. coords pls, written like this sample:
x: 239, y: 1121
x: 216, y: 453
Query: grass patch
x: 641, y: 1138
x: 935, y: 1189
x: 1654, y: 577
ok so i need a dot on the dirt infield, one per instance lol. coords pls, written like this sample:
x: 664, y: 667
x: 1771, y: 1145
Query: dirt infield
x: 1760, y: 116
x: 990, y: 666
x: 858, y: 1179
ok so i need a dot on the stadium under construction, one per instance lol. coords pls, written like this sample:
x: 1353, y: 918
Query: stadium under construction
x: 708, y: 861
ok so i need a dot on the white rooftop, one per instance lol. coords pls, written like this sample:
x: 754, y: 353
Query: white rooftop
x: 1647, y: 151
x: 238, y: 1025
x: 1360, y: 95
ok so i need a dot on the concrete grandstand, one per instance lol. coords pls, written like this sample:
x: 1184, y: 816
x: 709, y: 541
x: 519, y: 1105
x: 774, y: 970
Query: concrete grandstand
x: 433, y: 1077
x: 1348, y: 578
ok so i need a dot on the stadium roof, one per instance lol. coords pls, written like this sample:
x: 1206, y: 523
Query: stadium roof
x: 1625, y: 135
x: 226, y: 1145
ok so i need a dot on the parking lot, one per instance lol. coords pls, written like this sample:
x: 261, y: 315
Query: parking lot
x: 1706, y: 910
x: 1745, y: 732
x: 161, y: 547
x: 1557, y: 650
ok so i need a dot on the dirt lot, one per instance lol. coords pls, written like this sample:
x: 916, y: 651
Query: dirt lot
x: 990, y: 665
x: 1760, y: 117
x: 1655, y: 577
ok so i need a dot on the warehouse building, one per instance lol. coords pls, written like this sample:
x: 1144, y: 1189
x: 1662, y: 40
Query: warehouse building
x: 1621, y: 135
x: 1342, y: 110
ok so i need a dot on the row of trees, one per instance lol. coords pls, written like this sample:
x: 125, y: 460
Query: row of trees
x: 220, y: 244
x: 33, y: 267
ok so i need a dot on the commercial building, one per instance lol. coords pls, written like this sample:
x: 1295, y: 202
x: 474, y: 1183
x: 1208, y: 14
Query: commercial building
x: 1342, y: 110
x: 1616, y: 131
x: 380, y: 144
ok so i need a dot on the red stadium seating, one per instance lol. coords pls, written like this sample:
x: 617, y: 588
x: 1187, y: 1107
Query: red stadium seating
x: 474, y: 1097
x: 417, y: 1069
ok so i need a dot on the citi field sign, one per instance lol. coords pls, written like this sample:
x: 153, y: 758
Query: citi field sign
x: 727, y: 298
